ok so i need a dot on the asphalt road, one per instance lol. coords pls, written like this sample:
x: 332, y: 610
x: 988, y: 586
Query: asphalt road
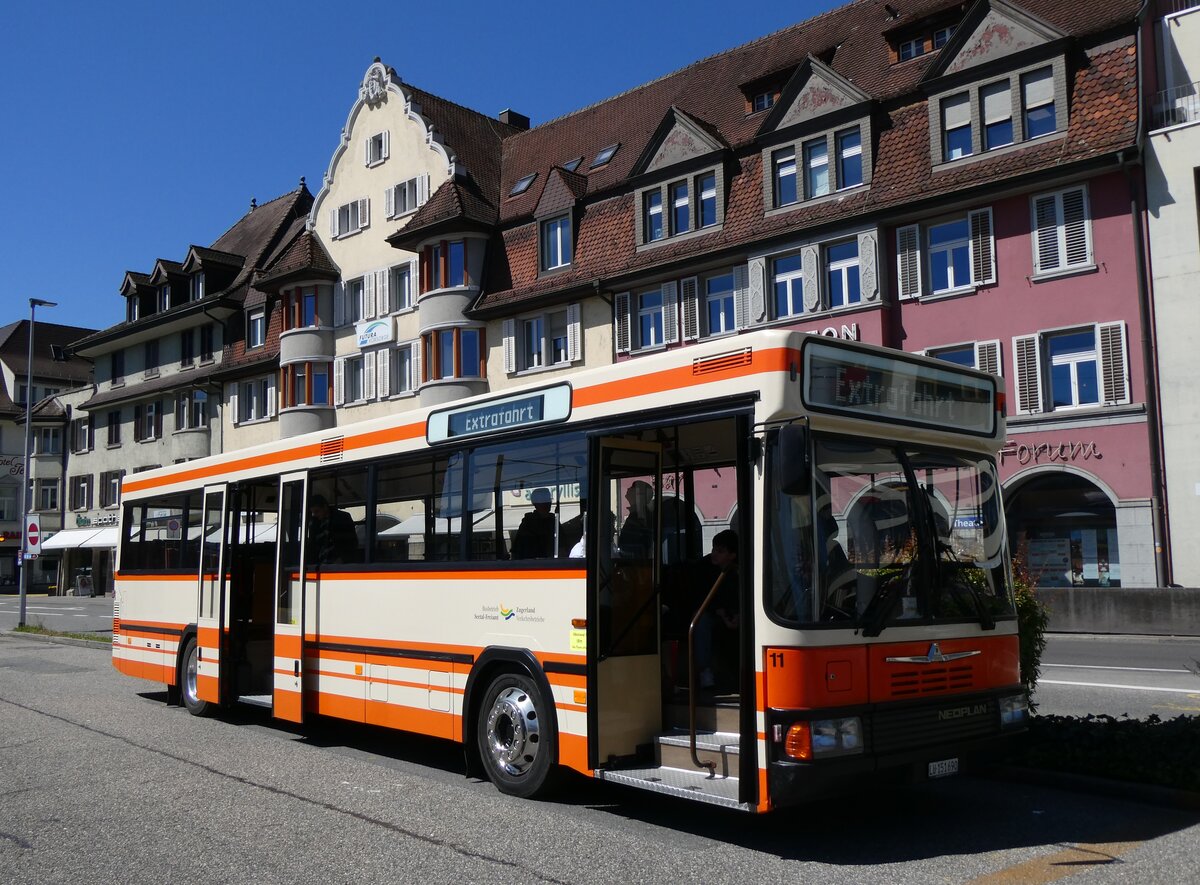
x: 86, y: 614
x: 101, y: 782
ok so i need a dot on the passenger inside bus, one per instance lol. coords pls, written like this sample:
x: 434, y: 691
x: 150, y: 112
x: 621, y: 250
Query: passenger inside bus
x: 716, y: 630
x: 331, y: 535
x: 637, y: 532
x: 535, y: 537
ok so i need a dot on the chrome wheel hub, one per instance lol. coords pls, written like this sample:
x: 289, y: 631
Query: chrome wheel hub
x: 513, y: 733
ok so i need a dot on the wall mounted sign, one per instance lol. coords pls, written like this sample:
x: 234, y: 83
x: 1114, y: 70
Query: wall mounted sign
x: 374, y: 332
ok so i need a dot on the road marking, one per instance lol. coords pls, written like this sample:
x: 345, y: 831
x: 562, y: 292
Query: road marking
x: 1195, y: 691
x: 1130, y: 669
x: 1061, y: 864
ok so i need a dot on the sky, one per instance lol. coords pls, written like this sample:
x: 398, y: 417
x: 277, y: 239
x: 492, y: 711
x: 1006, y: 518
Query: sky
x: 131, y: 130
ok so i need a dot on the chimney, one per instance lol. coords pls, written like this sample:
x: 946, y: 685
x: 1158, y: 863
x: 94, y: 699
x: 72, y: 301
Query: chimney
x: 512, y: 118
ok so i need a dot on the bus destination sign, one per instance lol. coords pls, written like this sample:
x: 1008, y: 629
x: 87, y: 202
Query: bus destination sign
x: 498, y: 415
x: 896, y: 389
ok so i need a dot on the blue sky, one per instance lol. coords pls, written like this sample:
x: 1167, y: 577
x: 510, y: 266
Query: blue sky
x: 132, y: 129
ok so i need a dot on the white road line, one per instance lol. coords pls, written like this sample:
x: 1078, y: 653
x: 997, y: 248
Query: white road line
x: 1130, y: 669
x: 1192, y: 691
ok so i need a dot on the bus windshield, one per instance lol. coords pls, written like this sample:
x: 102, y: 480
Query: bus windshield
x: 888, y: 534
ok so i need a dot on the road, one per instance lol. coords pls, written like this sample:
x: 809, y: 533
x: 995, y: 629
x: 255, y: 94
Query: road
x: 104, y: 782
x: 63, y: 613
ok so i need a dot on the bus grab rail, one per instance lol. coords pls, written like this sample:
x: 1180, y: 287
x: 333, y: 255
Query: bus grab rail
x: 711, y: 766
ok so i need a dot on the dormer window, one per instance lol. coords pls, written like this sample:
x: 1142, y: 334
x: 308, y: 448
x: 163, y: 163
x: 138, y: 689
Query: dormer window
x: 942, y: 36
x: 783, y: 165
x: 911, y: 48
x: 131, y: 309
x: 761, y: 101
x: 556, y: 242
x: 197, y: 286
x: 681, y: 212
x: 522, y: 185
x: 605, y: 155
x: 652, y: 216
x: 956, y: 126
x: 706, y: 187
x: 816, y: 168
x: 377, y: 148
x: 849, y: 158
x: 1037, y: 102
x: 164, y: 298
x: 997, y: 115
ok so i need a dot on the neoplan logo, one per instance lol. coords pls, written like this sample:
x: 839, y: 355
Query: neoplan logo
x: 961, y: 712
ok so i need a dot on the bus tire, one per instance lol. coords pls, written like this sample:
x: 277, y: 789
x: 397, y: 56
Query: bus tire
x: 187, y: 680
x: 517, y: 740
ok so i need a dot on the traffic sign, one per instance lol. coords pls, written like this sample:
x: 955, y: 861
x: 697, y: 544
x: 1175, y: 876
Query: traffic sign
x: 33, y: 534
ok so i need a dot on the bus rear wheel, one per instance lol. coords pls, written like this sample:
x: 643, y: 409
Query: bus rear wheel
x: 517, y: 739
x: 187, y: 680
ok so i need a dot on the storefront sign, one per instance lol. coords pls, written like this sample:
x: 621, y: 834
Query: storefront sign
x: 374, y: 332
x: 1043, y: 453
x: 82, y: 521
x: 846, y: 333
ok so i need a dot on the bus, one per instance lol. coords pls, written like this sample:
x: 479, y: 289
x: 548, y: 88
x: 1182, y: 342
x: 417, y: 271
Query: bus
x: 535, y: 574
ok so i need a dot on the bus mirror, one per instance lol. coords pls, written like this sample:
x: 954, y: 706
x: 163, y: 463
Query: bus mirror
x: 793, y: 462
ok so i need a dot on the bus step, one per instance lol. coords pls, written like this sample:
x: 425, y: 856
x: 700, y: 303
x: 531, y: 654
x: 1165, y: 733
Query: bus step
x: 698, y: 786
x: 718, y: 747
x: 255, y: 700
x: 721, y: 716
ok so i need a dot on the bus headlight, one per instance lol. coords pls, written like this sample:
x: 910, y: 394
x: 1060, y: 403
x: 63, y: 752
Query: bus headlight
x: 824, y: 737
x: 1014, y: 710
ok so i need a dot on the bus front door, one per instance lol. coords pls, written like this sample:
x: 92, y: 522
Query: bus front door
x: 628, y: 693
x: 210, y: 619
x: 288, y: 694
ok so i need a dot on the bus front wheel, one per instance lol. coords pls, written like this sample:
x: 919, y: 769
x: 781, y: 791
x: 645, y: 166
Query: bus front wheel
x: 516, y: 736
x: 187, y: 680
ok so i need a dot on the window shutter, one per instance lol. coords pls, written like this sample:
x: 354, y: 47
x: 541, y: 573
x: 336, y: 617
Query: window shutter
x: 510, y: 346
x: 1045, y: 234
x: 158, y: 420
x: 364, y: 213
x: 232, y: 398
x: 1027, y: 357
x: 574, y: 333
x: 1114, y: 368
x: 387, y: 138
x: 1077, y: 239
x: 908, y: 260
x: 272, y: 397
x: 983, y: 248
x: 414, y: 282
x: 368, y: 296
x: 367, y: 152
x: 690, y: 293
x: 741, y: 293
x: 369, y: 375
x: 987, y: 356
x: 383, y: 373
x: 339, y: 303
x: 339, y: 381
x: 756, y: 271
x: 137, y: 423
x: 383, y: 292
x: 389, y: 202
x: 89, y: 486
x: 670, y: 297
x: 333, y: 223
x: 91, y: 425
x: 417, y: 378
x: 812, y: 282
x: 621, y: 321
x: 422, y: 189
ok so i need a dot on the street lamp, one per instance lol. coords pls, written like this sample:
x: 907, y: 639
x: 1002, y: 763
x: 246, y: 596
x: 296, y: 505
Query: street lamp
x: 26, y: 486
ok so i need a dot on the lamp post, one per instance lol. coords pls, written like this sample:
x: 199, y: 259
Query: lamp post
x: 27, y: 485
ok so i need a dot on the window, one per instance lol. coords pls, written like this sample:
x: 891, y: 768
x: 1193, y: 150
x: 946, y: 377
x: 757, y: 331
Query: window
x: 165, y: 534
x: 549, y: 339
x: 522, y: 185
x: 206, y: 343
x: 556, y: 242
x: 456, y: 264
x: 849, y: 158
x: 997, y: 115
x: 150, y: 357
x: 403, y: 369
x: 377, y: 148
x: 197, y: 287
x: 81, y: 434
x: 962, y: 355
x: 446, y: 264
x: 8, y: 503
x: 681, y: 209
x: 841, y: 262
x: 982, y: 355
x: 1062, y: 239
x: 960, y: 252
x: 191, y: 410
x: 114, y: 427
x: 783, y: 165
x: 718, y: 304
x: 572, y: 165
x: 605, y: 155
x: 353, y: 379
x: 254, y: 399
x: 118, y: 366
x: 47, y: 494
x: 47, y: 441
x: 789, y: 286
x: 911, y: 48
x: 349, y: 218
x: 147, y: 422
x: 1071, y: 368
x: 355, y: 297
x: 534, y: 340
x: 650, y: 318
x: 405, y: 197
x: 300, y: 308
x: 80, y: 492
x: 816, y: 169
x: 306, y: 384
x: 1037, y: 100
x: 706, y: 187
x: 256, y: 328
x: 453, y: 353
x: 401, y: 286
x: 652, y: 215
x: 956, y: 127
x: 762, y: 101
x: 942, y: 36
x: 110, y: 488
x: 131, y: 309
x: 164, y: 298
x: 187, y: 348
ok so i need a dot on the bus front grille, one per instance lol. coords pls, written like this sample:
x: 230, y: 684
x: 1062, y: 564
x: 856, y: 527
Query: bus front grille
x: 928, y: 680
x: 957, y: 720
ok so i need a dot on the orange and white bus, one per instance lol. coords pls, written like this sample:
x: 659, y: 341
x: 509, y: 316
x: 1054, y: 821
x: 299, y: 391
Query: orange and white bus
x: 530, y: 574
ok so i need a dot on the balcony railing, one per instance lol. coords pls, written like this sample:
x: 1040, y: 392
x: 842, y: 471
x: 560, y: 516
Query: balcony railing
x: 1170, y: 7
x: 1176, y: 106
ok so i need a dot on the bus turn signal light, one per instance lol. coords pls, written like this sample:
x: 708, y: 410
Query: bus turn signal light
x: 799, y: 742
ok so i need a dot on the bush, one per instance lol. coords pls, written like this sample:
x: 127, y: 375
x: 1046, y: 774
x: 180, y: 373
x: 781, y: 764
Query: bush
x: 1032, y: 618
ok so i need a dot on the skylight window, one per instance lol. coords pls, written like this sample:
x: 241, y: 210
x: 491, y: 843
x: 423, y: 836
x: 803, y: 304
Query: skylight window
x: 605, y: 155
x: 522, y: 185
x: 572, y: 165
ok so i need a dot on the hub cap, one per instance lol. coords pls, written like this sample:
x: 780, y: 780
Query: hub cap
x: 513, y: 735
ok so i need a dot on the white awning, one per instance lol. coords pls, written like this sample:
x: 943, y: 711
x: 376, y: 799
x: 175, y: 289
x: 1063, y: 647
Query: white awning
x: 106, y: 537
x: 70, y: 538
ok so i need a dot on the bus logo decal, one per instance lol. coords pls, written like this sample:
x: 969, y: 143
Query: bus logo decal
x: 506, y: 613
x: 934, y: 656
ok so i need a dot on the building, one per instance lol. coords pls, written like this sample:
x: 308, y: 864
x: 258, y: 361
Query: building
x: 52, y: 372
x: 1172, y: 180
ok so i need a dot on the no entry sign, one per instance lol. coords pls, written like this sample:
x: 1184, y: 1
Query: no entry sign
x: 33, y: 535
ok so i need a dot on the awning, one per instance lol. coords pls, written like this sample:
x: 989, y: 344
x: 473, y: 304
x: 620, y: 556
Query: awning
x: 68, y: 538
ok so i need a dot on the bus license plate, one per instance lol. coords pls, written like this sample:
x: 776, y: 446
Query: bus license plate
x: 943, y: 768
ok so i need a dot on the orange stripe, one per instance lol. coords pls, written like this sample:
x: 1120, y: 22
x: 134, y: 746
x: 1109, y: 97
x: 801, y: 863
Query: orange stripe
x: 511, y: 575
x: 436, y: 723
x: 572, y: 752
x: 288, y: 646
x: 190, y: 576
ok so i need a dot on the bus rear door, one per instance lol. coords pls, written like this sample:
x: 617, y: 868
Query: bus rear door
x: 210, y: 620
x: 288, y: 695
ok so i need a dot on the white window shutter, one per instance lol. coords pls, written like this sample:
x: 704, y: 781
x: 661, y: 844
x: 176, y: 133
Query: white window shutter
x: 417, y: 377
x: 1114, y: 367
x: 1045, y: 234
x: 690, y: 295
x: 272, y: 397
x: 368, y: 296
x: 369, y: 375
x: 389, y: 202
x: 510, y: 346
x: 670, y: 297
x: 987, y: 356
x: 339, y: 381
x: 231, y: 397
x: 364, y: 213
x: 414, y: 281
x: 387, y: 138
x: 1077, y: 234
x: 621, y: 322
x: 383, y: 292
x: 983, y: 248
x: 422, y: 189
x: 1027, y: 358
x: 367, y: 152
x: 908, y: 261
x: 741, y: 295
x: 339, y: 303
x: 574, y: 333
x: 383, y: 373
x: 333, y: 227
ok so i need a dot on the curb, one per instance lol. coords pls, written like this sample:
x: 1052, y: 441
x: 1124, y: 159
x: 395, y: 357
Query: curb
x: 103, y: 642
x: 1149, y: 794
